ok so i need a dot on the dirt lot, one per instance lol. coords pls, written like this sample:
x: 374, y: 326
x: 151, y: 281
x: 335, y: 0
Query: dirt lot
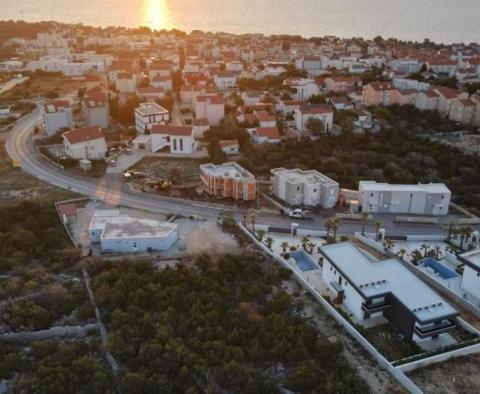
x: 178, y: 171
x: 457, y: 376
x: 40, y: 84
x: 15, y: 184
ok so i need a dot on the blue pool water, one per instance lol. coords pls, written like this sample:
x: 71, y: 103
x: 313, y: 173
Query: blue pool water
x: 304, y: 260
x: 443, y: 271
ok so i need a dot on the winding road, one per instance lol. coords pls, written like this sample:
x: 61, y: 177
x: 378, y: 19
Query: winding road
x: 110, y: 189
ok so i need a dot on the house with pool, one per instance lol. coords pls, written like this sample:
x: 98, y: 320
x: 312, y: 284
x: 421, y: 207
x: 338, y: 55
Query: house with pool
x: 370, y: 289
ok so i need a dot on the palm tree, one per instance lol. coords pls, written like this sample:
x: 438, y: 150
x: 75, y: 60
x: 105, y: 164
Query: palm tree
x: 401, y: 253
x: 388, y: 243
x: 304, y: 241
x: 335, y: 224
x: 284, y: 245
x: 328, y: 226
x: 269, y: 242
x: 450, y: 230
x: 425, y: 250
x: 311, y: 247
x: 260, y: 235
x: 465, y: 233
x: 363, y: 217
x: 416, y: 255
x: 378, y: 224
x: 253, y: 219
x: 437, y: 251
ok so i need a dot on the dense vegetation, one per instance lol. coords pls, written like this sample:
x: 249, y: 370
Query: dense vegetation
x: 214, y: 327
x: 52, y: 367
x: 30, y: 231
x: 394, y: 155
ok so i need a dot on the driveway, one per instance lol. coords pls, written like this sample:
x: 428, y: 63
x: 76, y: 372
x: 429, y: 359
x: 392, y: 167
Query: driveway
x: 125, y: 161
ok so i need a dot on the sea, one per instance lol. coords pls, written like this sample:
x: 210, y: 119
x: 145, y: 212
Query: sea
x: 442, y: 21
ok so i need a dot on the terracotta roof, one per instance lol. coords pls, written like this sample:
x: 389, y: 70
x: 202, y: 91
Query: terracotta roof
x: 150, y: 90
x: 377, y: 85
x: 171, y: 130
x: 227, y: 143
x: 315, y: 109
x: 446, y: 92
x: 467, y: 102
x: 264, y: 116
x: 270, y: 132
x: 81, y: 135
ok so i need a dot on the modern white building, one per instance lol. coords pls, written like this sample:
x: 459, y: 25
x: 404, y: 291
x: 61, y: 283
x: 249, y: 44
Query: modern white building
x: 57, y: 115
x: 370, y: 289
x: 87, y: 143
x: 471, y: 272
x: 118, y: 233
x: 304, y: 188
x: 420, y: 199
x: 149, y: 114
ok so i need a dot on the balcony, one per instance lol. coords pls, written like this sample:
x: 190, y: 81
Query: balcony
x: 434, y: 329
x: 375, y: 307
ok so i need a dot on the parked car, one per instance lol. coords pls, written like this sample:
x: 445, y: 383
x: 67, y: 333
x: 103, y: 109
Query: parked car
x: 299, y: 213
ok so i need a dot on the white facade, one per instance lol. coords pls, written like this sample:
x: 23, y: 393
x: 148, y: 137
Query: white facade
x: 88, y: 143
x: 57, y: 115
x: 471, y: 272
x: 305, y: 88
x: 224, y: 80
x: 125, y: 234
x: 149, y: 114
x: 421, y: 199
x: 310, y: 188
x: 320, y: 112
x: 211, y: 108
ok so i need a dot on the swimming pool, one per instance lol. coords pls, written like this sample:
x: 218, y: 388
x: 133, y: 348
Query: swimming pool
x: 304, y: 261
x: 444, y: 272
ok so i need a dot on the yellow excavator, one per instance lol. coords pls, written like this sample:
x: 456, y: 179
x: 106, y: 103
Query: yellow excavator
x: 159, y: 184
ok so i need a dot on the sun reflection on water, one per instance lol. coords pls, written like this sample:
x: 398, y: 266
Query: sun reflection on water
x: 155, y: 14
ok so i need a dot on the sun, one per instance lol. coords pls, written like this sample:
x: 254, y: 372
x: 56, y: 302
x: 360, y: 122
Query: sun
x: 155, y: 14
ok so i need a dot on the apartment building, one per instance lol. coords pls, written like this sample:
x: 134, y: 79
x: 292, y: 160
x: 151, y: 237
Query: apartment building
x: 370, y: 289
x: 57, y: 115
x: 225, y: 80
x: 228, y: 180
x: 378, y: 93
x: 304, y: 188
x: 211, y: 108
x: 149, y: 114
x: 95, y: 108
x: 421, y: 199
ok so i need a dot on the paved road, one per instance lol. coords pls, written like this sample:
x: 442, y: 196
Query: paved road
x: 11, y: 84
x: 111, y: 190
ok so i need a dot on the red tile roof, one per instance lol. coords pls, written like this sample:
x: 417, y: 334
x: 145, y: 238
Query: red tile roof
x: 81, y: 135
x: 227, y: 143
x: 316, y: 109
x: 171, y: 130
x: 270, y: 132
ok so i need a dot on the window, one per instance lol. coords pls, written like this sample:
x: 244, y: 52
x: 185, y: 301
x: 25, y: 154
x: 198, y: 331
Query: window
x: 174, y: 144
x: 314, y: 190
x: 181, y: 144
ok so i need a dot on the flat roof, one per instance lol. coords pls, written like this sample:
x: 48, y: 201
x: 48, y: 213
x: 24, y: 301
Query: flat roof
x: 472, y: 259
x: 124, y: 226
x: 301, y: 176
x: 387, y: 276
x: 150, y: 109
x: 227, y: 170
x: 420, y: 187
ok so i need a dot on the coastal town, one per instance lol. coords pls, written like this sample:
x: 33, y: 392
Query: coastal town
x: 349, y: 166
